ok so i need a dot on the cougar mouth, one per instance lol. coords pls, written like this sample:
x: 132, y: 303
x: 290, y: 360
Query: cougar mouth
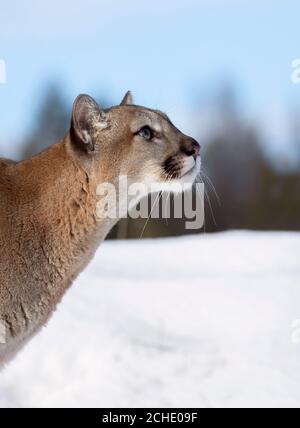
x: 178, y: 168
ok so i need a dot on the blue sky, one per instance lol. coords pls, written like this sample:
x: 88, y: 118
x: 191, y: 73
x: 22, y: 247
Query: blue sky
x: 164, y: 51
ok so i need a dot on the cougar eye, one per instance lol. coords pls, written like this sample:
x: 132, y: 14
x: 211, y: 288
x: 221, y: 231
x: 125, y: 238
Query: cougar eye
x: 146, y: 133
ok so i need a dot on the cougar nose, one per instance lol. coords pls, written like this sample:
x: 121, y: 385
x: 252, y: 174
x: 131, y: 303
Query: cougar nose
x: 196, y: 148
x: 192, y: 148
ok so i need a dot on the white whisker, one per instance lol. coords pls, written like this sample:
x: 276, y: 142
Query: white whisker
x: 210, y: 183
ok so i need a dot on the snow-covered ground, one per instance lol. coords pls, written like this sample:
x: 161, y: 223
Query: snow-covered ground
x: 199, y: 321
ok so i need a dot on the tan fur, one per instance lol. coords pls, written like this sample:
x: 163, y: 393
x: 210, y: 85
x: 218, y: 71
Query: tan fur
x: 49, y: 230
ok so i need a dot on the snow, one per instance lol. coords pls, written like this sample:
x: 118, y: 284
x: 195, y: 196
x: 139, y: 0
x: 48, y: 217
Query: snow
x: 203, y: 321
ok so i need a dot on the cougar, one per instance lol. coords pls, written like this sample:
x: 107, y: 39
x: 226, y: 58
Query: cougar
x: 49, y: 228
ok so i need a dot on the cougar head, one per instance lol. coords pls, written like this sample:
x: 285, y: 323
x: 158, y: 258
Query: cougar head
x: 135, y: 141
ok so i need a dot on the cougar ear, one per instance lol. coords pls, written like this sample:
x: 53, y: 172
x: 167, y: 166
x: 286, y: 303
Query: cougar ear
x: 87, y: 118
x: 127, y: 99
